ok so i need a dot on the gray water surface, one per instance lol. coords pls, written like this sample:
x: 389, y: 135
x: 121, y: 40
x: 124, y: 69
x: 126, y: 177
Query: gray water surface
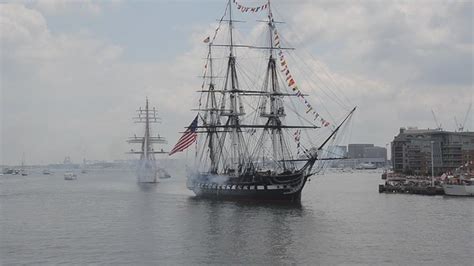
x: 105, y: 217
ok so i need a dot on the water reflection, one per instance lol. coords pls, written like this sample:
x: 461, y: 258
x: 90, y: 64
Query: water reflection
x: 249, y: 232
x: 147, y: 187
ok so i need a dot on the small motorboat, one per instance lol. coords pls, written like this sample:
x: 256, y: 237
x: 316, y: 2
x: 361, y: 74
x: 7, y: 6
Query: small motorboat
x: 162, y: 174
x: 46, y: 172
x: 70, y: 176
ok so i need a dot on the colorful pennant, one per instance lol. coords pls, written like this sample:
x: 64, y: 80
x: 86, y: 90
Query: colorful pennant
x: 292, y: 83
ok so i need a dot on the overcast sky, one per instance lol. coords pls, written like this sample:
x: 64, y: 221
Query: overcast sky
x: 73, y: 72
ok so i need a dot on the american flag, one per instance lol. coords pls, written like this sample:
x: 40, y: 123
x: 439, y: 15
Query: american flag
x: 187, y: 139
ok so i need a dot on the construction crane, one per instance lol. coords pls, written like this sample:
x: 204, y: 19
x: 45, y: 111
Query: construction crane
x: 457, y: 125
x: 461, y: 126
x: 438, y: 125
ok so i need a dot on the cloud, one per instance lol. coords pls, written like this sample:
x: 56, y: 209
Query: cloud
x: 396, y: 60
x: 73, y: 93
x: 54, y: 7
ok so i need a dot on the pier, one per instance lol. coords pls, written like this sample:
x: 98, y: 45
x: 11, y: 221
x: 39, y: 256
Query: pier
x: 411, y: 186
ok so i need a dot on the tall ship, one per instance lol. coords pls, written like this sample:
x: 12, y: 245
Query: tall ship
x: 255, y: 127
x: 146, y: 168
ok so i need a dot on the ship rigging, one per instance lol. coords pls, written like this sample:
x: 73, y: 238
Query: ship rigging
x: 147, y: 169
x: 244, y: 149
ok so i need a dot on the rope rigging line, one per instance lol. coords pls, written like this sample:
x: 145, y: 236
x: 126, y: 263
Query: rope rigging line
x: 299, y: 40
x: 306, y: 74
x: 310, y: 76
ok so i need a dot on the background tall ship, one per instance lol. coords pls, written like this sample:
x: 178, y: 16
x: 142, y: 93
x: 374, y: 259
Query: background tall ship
x: 249, y: 146
x: 146, y: 168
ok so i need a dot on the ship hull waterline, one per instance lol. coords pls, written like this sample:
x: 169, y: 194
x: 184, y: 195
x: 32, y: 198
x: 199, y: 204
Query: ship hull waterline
x: 283, y: 192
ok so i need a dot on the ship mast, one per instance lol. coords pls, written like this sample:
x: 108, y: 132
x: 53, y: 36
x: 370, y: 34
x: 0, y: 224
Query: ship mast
x: 236, y: 107
x: 273, y: 118
x: 211, y: 104
x: 147, y: 116
x: 146, y: 145
x: 279, y: 149
x: 228, y: 149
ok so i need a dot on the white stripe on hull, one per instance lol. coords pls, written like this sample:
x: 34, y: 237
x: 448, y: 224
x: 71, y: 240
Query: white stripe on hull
x: 458, y: 190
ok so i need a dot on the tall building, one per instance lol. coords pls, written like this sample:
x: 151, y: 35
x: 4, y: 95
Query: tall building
x: 413, y: 148
x: 375, y: 152
x: 356, y: 151
x: 366, y: 153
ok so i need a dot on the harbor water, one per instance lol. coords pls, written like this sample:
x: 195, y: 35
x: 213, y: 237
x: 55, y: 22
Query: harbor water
x: 105, y: 217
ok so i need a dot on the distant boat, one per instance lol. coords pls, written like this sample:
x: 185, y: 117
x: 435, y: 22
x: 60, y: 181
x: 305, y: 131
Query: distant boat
x: 22, y: 170
x: 70, y: 176
x: 83, y: 168
x: 8, y: 171
x: 364, y: 166
x: 46, y: 172
x: 162, y: 174
x: 461, y: 185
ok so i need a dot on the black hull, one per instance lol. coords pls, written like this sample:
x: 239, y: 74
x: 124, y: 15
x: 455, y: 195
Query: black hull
x: 272, y: 196
x: 260, y: 192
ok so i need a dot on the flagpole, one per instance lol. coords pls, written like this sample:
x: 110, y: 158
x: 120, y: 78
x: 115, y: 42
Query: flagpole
x: 432, y: 165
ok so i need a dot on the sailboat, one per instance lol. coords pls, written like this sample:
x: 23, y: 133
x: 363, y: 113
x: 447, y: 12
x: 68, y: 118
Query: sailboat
x: 147, y: 169
x: 23, y: 171
x: 84, y: 166
x: 248, y: 156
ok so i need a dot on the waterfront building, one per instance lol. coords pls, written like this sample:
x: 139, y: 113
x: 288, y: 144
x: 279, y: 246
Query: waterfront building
x: 362, y: 154
x: 375, y: 152
x: 357, y: 150
x: 412, y: 148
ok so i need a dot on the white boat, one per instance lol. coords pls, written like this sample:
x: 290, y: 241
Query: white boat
x: 22, y: 170
x: 162, y: 174
x: 460, y: 187
x: 366, y: 166
x: 70, y: 176
x: 460, y: 183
